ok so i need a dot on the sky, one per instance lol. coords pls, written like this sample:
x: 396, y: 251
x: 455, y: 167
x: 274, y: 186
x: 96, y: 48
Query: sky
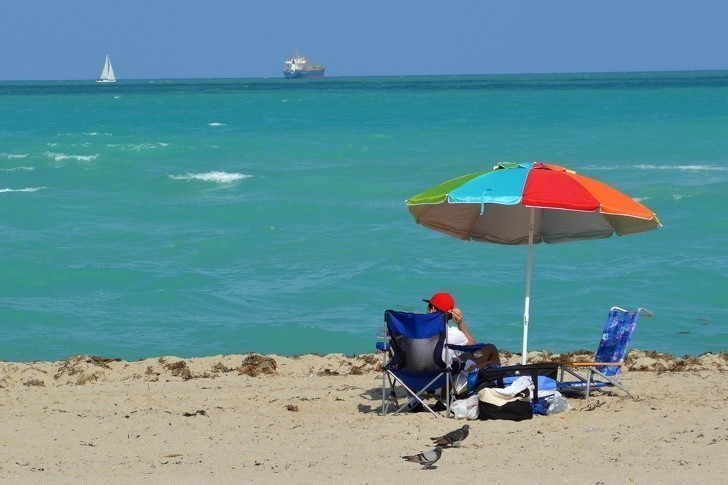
x: 173, y: 39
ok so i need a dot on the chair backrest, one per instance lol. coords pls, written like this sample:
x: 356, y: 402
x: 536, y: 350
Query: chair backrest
x: 616, y: 335
x: 417, y: 340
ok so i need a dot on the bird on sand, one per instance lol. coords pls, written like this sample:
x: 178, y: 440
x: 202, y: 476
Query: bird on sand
x: 453, y: 438
x: 426, y: 458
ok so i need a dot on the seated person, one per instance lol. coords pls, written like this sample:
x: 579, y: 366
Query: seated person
x: 460, y: 334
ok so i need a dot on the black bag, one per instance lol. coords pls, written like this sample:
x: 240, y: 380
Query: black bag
x: 513, y: 411
x: 494, y: 405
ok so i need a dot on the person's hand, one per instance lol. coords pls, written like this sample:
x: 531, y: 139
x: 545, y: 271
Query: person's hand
x: 457, y: 316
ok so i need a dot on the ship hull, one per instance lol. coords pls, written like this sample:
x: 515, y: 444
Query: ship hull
x: 307, y: 74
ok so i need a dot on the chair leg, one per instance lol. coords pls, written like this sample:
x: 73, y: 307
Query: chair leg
x: 614, y: 382
x: 411, y: 393
x: 589, y: 377
x: 384, y: 384
x: 384, y: 394
x: 418, y: 398
x: 388, y: 397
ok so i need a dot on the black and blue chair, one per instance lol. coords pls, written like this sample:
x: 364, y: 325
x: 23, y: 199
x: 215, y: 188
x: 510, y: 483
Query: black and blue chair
x: 414, y: 344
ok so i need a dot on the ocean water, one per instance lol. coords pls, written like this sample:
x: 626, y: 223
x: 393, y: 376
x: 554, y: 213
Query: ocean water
x: 204, y: 217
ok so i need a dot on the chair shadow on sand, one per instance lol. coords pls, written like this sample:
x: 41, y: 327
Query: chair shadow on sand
x: 373, y: 395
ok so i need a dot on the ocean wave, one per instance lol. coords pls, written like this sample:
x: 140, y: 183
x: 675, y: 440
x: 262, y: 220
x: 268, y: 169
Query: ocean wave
x: 27, y: 189
x: 696, y: 168
x: 217, y: 177
x: 14, y: 169
x: 216, y: 123
x: 142, y: 146
x: 138, y: 147
x: 13, y: 156
x: 647, y: 166
x: 62, y: 156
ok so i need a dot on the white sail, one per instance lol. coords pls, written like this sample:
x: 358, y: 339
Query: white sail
x: 107, y: 73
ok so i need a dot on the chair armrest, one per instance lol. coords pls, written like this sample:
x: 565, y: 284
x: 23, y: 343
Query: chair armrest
x: 383, y: 346
x: 591, y: 364
x: 465, y: 348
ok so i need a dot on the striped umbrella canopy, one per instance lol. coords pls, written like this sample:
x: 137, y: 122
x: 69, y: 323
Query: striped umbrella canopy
x: 528, y: 203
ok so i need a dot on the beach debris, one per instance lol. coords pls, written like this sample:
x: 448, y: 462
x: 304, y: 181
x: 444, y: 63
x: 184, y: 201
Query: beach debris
x: 292, y: 407
x: 255, y: 364
x: 453, y: 438
x: 34, y: 382
x: 220, y: 367
x: 78, y: 368
x: 371, y: 363
x: 426, y: 458
x: 593, y: 405
x: 201, y: 412
x: 179, y: 369
x: 101, y: 361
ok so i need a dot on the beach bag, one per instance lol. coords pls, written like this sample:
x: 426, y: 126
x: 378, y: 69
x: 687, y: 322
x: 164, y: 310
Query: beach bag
x: 512, y: 411
x: 496, y: 405
x: 466, y: 408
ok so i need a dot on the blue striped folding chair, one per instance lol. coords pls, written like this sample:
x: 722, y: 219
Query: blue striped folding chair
x: 604, y: 370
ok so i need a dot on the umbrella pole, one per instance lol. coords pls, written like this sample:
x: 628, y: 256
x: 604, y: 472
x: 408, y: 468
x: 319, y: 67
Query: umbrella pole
x: 527, y: 302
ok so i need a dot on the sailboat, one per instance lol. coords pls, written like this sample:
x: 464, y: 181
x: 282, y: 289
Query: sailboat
x: 107, y: 73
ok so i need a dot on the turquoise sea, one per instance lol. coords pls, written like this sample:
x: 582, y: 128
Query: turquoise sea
x: 204, y: 217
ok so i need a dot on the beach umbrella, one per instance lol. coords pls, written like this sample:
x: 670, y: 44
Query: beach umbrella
x: 529, y: 203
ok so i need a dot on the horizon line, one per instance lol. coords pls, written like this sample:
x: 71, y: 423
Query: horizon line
x: 281, y: 77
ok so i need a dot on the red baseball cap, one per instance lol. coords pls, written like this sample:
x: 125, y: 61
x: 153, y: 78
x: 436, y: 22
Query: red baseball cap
x: 442, y: 301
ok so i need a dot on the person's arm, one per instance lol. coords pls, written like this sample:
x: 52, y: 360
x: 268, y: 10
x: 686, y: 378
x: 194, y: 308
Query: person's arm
x: 457, y: 317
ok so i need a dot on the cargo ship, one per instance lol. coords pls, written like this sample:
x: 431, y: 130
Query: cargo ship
x: 299, y: 67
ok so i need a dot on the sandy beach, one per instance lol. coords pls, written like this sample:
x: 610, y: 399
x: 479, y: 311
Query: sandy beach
x: 315, y: 419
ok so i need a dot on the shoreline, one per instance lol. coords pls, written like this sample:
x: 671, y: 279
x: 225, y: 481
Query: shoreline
x: 636, y: 360
x: 253, y: 418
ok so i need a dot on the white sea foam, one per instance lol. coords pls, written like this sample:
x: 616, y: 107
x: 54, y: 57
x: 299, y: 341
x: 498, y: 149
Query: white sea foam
x: 695, y: 168
x: 27, y: 189
x: 647, y: 166
x: 13, y: 156
x: 58, y: 157
x: 217, y: 177
x: 14, y: 169
x: 216, y: 123
x: 137, y: 147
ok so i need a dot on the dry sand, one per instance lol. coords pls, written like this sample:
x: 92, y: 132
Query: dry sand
x: 314, y: 419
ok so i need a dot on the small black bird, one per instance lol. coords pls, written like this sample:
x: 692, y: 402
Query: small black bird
x: 453, y: 438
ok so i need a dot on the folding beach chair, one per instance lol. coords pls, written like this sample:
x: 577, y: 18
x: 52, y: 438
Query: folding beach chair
x: 414, y: 343
x: 604, y: 370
